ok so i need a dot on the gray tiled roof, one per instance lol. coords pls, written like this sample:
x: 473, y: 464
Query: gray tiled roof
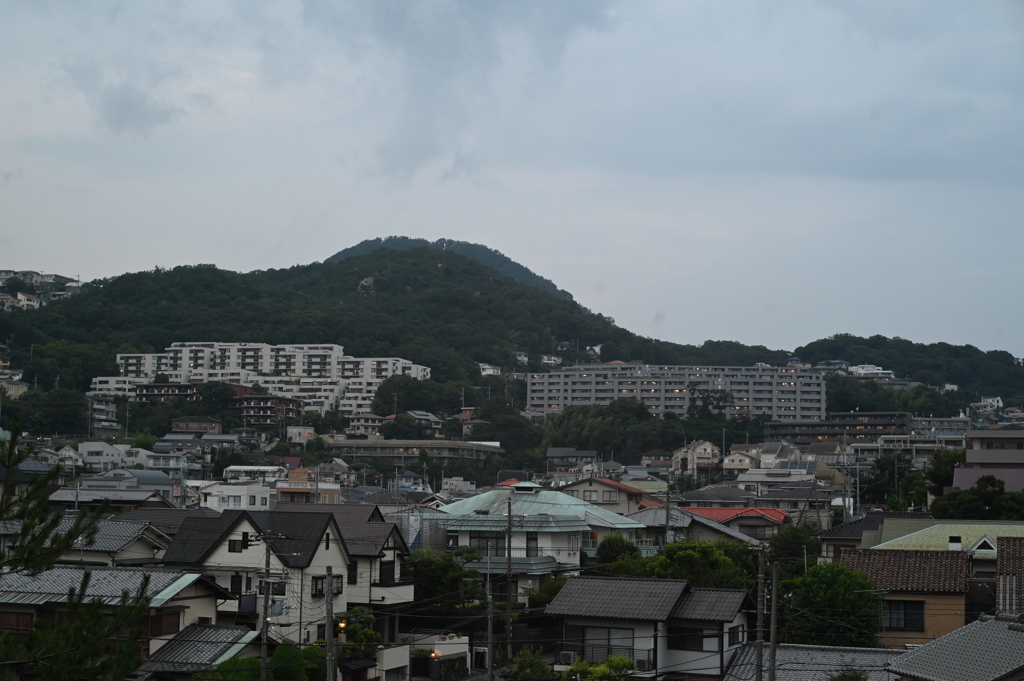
x: 111, y: 535
x: 986, y: 650
x: 91, y: 495
x: 855, y: 529
x: 533, y: 565
x: 199, y: 647
x: 811, y: 663
x: 106, y: 584
x: 361, y: 526
x: 167, y: 520
x: 619, y: 598
x: 714, y: 605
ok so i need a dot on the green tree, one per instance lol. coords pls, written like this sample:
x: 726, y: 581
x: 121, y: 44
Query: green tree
x: 316, y: 663
x: 791, y: 545
x: 234, y: 669
x: 615, y: 667
x: 144, y: 440
x: 403, y: 427
x: 87, y: 640
x: 613, y: 547
x: 939, y: 473
x: 528, y: 666
x: 549, y: 587
x: 360, y: 637
x: 442, y: 581
x: 832, y: 605
x: 287, y: 664
x: 703, y: 564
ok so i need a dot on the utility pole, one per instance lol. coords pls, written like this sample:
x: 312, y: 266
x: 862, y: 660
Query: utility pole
x: 668, y: 519
x: 509, y: 595
x: 774, y: 634
x: 266, y: 602
x: 490, y: 619
x: 332, y: 631
x: 758, y: 672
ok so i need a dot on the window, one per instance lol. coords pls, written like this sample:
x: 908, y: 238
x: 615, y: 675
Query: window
x: 904, y: 615
x: 235, y: 546
x: 610, y: 495
x: 277, y: 587
x: 15, y: 623
x: 685, y: 638
x: 252, y: 499
x: 532, y: 545
x: 353, y: 572
x: 487, y: 543
x: 321, y: 632
x: 263, y: 501
x: 235, y: 502
x: 160, y: 625
x: 735, y: 635
x: 337, y: 584
x: 590, y: 495
x: 317, y: 588
x: 327, y: 540
x: 236, y: 584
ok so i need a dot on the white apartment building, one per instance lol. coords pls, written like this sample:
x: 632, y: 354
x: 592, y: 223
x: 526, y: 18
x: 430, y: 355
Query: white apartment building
x: 782, y: 393
x: 320, y: 375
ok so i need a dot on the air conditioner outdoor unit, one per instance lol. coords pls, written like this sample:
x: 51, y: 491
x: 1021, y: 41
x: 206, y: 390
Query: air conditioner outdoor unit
x: 566, y: 657
x: 643, y: 664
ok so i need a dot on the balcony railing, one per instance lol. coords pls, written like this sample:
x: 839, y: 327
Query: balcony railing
x: 597, y: 654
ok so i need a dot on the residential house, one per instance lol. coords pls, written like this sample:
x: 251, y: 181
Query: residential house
x: 666, y: 626
x: 991, y: 649
x: 759, y: 523
x: 550, y: 531
x: 177, y: 599
x: 248, y: 495
x: 700, y: 458
x: 773, y: 452
x: 256, y: 473
x: 200, y: 648
x: 490, y: 369
x: 100, y: 456
x: 741, y: 458
x: 67, y: 458
x: 849, y: 535
x: 197, y: 424
x: 795, y: 662
x: 130, y: 479
x: 565, y: 459
x: 684, y: 526
x: 924, y: 592
x: 233, y: 549
x: 116, y: 543
x: 14, y: 387
x: 714, y: 496
x: 114, y: 501
x: 608, y: 494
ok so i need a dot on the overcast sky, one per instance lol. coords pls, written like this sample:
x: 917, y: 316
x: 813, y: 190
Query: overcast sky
x: 767, y: 172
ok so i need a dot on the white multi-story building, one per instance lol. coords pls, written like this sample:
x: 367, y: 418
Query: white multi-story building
x: 322, y: 376
x: 781, y: 393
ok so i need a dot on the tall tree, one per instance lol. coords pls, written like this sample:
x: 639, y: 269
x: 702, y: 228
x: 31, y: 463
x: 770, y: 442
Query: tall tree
x: 832, y: 605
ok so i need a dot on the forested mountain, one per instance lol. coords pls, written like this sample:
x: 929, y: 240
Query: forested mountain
x: 478, y: 252
x: 434, y: 307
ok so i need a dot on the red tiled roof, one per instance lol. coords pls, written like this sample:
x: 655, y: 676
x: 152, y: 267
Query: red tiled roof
x: 910, y: 570
x: 724, y: 515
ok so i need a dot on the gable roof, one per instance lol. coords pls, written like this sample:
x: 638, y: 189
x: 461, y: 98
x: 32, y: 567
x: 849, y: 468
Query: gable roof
x: 912, y: 571
x: 988, y: 649
x: 630, y: 598
x: 794, y: 662
x: 167, y: 520
x: 106, y: 584
x: 871, y: 521
x: 936, y: 538
x: 654, y: 516
x: 715, y: 605
x: 199, y: 647
x: 724, y: 515
x: 363, y: 536
x: 608, y: 483
x: 540, y: 509
x: 302, y: 532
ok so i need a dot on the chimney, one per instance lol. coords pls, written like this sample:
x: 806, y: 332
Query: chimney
x: 954, y: 544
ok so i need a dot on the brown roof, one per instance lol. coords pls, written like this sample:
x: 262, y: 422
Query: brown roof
x: 1010, y: 562
x: 910, y: 570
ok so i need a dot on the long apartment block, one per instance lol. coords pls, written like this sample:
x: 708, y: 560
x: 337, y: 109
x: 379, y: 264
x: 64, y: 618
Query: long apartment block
x: 781, y: 393
x: 323, y: 376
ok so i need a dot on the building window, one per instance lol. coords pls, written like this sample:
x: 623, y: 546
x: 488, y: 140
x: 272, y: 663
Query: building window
x: 685, y: 638
x: 904, y: 616
x: 321, y: 632
x: 353, y: 572
x: 160, y: 625
x: 263, y: 501
x: 235, y: 502
x: 532, y: 545
x: 252, y: 499
x: 337, y: 585
x: 317, y: 588
x: 15, y: 623
x: 487, y: 543
x: 590, y: 495
x: 236, y: 584
x: 277, y: 587
x: 610, y: 495
x: 735, y: 635
x: 235, y: 546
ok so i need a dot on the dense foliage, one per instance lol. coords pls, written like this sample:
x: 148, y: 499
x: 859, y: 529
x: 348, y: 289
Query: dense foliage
x: 831, y: 605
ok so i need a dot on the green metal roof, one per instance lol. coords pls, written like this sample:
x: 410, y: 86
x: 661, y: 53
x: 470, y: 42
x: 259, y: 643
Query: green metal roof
x: 544, y: 510
x: 936, y: 538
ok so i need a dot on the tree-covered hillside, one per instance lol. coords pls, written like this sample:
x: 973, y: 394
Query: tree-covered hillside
x: 478, y: 252
x: 433, y: 307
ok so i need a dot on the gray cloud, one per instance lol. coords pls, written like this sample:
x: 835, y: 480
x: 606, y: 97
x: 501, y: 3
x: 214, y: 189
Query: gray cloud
x: 121, y: 106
